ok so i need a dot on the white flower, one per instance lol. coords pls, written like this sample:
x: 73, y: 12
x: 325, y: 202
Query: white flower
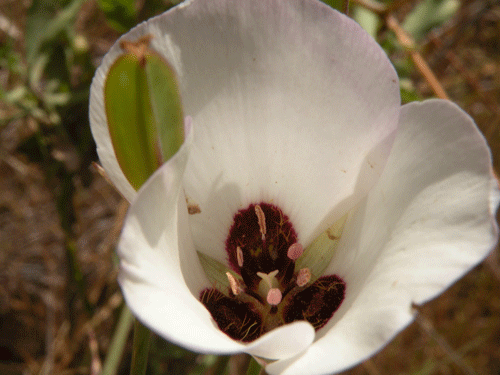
x: 295, y: 108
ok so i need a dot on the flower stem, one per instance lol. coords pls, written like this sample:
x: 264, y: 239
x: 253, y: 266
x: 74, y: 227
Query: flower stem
x: 220, y: 367
x: 254, y: 368
x: 118, y: 342
x: 140, y: 349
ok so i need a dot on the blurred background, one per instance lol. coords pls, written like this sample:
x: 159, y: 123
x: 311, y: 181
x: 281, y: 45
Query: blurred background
x: 61, y: 310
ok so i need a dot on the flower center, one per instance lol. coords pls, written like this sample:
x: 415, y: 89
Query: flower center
x: 265, y: 288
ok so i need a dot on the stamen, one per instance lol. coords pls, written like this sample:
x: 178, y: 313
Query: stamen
x: 234, y: 284
x: 262, y: 220
x: 274, y: 296
x: 239, y: 256
x: 268, y: 277
x: 304, y: 276
x: 295, y: 251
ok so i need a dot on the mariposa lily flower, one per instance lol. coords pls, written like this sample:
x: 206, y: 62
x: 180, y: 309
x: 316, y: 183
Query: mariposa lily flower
x: 307, y: 209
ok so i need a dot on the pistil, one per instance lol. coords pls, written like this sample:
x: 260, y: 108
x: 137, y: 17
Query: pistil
x: 274, y: 296
x: 267, y: 287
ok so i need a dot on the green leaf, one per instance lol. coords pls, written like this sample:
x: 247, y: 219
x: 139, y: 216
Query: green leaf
x: 408, y: 92
x: 140, y: 349
x: 143, y: 110
x: 45, y: 23
x: 336, y: 4
x: 253, y: 367
x: 15, y: 95
x: 120, y: 14
x: 367, y: 19
x: 428, y: 14
x: 39, y: 15
x: 118, y: 342
x: 319, y: 253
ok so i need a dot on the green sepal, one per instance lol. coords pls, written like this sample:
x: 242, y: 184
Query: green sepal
x: 166, y: 104
x: 143, y: 110
x: 318, y: 255
x: 216, y: 273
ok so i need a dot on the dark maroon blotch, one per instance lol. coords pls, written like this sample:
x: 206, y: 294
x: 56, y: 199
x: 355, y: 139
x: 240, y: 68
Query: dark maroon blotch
x: 236, y: 319
x: 261, y: 255
x: 317, y: 303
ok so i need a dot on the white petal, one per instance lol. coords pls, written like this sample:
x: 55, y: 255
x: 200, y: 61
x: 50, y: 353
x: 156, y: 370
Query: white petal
x: 429, y: 220
x: 283, y: 342
x: 294, y: 105
x: 293, y: 102
x: 158, y: 262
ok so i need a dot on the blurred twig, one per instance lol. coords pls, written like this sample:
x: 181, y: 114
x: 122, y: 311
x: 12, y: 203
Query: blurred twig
x: 48, y: 364
x: 381, y: 8
x: 370, y: 367
x: 9, y: 28
x: 220, y: 367
x: 422, y: 66
x: 471, y: 79
x: 372, y: 5
x: 99, y: 169
x: 98, y: 318
x: 395, y: 5
x: 95, y: 362
x: 346, y: 7
x: 492, y: 262
x: 426, y: 325
x: 106, y: 247
x: 16, y: 164
x: 239, y: 363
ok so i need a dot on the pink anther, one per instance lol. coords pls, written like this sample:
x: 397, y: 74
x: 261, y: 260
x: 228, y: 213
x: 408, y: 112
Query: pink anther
x: 304, y: 276
x: 261, y: 218
x: 295, y: 251
x: 274, y: 296
x: 234, y: 284
x: 239, y: 256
